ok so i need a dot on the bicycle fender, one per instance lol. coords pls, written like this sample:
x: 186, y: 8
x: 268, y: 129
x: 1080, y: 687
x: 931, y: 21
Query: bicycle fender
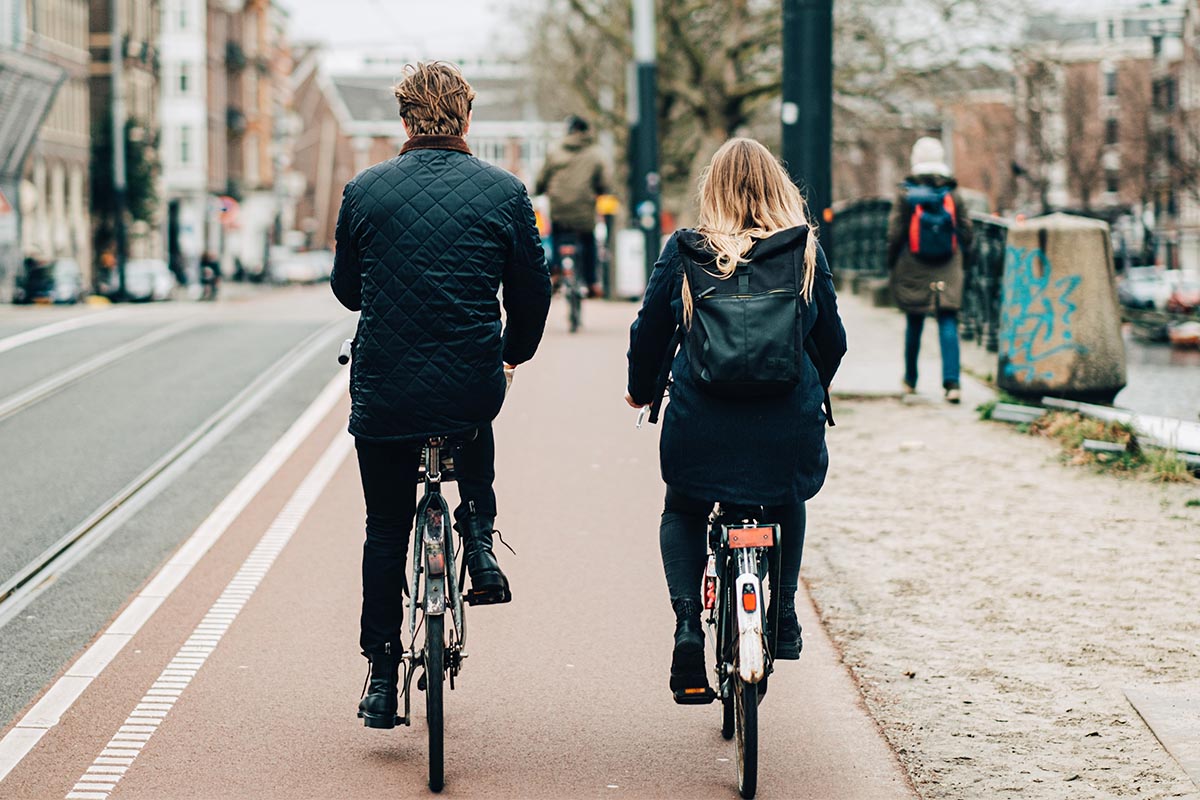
x: 751, y: 655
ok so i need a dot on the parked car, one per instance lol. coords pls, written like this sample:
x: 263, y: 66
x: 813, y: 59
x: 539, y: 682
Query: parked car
x: 307, y: 266
x: 148, y: 279
x: 1143, y: 287
x: 1185, y: 298
x: 59, y: 281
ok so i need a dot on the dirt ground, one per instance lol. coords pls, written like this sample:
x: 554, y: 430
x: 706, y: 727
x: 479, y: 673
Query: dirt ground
x: 994, y: 604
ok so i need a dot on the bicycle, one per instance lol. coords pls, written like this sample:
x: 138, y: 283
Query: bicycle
x: 740, y: 567
x: 436, y: 589
x: 566, y: 247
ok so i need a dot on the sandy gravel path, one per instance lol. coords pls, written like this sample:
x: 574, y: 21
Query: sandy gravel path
x: 995, y: 604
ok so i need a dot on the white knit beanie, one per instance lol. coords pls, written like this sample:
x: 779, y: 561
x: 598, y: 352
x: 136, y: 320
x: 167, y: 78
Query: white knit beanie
x: 929, y: 157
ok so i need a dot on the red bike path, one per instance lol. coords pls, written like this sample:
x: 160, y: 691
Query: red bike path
x: 564, y: 693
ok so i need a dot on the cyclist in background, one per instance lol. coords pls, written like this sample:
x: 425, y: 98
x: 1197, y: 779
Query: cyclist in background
x: 424, y: 242
x: 574, y: 174
x: 767, y: 451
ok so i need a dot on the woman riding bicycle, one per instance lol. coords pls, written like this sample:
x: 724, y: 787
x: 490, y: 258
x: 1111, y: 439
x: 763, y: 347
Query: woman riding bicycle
x: 766, y: 451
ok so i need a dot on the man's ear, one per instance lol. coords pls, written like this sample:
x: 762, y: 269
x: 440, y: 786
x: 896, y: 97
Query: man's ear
x: 467, y: 127
x: 404, y: 122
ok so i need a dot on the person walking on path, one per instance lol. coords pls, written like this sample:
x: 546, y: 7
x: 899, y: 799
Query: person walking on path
x: 574, y: 174
x: 424, y: 242
x: 929, y: 236
x: 768, y: 451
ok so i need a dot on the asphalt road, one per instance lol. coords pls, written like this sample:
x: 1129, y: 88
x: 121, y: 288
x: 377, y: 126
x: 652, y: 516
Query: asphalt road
x: 243, y: 683
x: 65, y: 455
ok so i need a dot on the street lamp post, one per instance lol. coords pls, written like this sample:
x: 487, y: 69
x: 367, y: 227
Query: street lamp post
x: 644, y: 131
x: 807, y: 111
x: 117, y: 57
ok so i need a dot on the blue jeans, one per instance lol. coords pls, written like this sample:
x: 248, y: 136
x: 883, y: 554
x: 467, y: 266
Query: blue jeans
x: 947, y: 322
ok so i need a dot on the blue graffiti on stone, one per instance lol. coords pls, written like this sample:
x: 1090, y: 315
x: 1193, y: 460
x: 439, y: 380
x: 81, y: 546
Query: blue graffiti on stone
x: 1036, y: 320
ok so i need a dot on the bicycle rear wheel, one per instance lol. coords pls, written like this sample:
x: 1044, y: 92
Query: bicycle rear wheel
x: 745, y: 703
x: 575, y: 302
x: 434, y: 677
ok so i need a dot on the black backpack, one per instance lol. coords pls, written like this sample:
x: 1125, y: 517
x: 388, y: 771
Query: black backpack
x: 746, y: 336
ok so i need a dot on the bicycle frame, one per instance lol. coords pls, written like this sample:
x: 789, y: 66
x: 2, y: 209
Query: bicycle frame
x: 436, y: 584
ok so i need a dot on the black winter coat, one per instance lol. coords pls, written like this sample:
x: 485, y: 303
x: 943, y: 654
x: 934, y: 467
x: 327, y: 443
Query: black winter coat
x: 763, y: 451
x: 424, y: 242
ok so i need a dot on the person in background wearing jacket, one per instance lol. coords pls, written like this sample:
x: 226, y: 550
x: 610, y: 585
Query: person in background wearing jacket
x: 574, y: 174
x: 424, y: 242
x: 767, y: 452
x: 922, y: 286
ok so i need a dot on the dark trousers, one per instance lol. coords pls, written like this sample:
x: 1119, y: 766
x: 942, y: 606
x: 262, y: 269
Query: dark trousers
x: 683, y: 539
x: 389, y: 480
x: 947, y: 322
x: 585, y: 242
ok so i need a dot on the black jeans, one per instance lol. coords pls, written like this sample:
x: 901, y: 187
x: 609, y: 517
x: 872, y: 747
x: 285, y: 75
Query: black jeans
x: 585, y: 242
x: 683, y: 539
x: 389, y: 480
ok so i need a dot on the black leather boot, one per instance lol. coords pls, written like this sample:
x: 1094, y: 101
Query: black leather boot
x: 689, y: 681
x: 488, y: 583
x: 377, y: 709
x: 789, y: 644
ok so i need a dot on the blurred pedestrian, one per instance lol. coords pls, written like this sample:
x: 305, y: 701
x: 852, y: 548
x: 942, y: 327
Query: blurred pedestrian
x: 929, y: 237
x: 758, y: 439
x: 574, y: 174
x: 424, y: 242
x: 210, y: 275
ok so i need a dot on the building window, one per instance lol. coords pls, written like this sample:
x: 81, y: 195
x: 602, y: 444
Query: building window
x: 184, y: 77
x: 185, y: 145
x: 1110, y: 131
x: 1112, y: 182
x: 1110, y: 83
x: 183, y: 15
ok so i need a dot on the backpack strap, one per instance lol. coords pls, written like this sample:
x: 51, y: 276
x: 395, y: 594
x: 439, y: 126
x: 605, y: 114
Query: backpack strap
x: 810, y: 347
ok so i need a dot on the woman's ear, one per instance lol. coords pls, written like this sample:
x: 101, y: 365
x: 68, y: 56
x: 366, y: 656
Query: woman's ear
x: 467, y: 127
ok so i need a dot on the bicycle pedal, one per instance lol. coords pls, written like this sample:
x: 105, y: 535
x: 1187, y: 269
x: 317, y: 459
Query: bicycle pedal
x: 694, y: 696
x: 380, y: 722
x: 488, y: 598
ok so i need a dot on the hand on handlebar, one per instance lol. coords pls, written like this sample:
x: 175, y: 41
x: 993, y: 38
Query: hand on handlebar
x: 509, y: 372
x: 632, y: 404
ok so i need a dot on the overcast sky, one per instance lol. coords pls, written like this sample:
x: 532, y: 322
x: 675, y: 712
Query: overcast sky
x: 451, y: 28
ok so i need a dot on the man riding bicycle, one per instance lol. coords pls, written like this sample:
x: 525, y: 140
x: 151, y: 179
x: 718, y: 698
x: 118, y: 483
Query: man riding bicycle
x: 424, y: 242
x: 574, y: 175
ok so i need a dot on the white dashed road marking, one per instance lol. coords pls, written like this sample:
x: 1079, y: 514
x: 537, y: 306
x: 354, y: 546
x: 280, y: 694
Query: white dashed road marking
x: 149, y: 713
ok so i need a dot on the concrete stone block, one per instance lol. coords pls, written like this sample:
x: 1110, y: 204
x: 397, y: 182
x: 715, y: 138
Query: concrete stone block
x: 1060, y: 323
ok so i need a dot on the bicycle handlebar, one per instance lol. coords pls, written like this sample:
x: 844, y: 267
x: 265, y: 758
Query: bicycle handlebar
x: 344, y: 352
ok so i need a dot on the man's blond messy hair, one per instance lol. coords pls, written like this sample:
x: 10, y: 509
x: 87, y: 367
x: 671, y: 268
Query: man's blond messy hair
x: 434, y: 99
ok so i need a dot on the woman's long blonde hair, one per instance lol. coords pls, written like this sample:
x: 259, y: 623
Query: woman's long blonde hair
x: 746, y: 195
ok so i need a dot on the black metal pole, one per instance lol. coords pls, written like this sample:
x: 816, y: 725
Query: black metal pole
x: 807, y: 111
x: 647, y: 208
x: 117, y: 57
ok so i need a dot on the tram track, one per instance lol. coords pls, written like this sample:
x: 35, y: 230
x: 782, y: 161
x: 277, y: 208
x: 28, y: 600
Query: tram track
x: 40, y: 391
x: 17, y: 591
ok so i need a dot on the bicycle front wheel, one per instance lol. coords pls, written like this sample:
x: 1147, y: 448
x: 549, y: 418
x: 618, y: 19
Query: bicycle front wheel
x: 745, y: 712
x: 435, y: 657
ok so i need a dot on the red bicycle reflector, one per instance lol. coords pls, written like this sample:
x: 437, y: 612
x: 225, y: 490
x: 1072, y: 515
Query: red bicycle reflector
x: 749, y: 599
x: 752, y: 537
x: 710, y: 593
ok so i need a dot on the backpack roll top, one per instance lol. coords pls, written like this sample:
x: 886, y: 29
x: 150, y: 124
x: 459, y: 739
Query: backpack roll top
x: 933, y: 229
x: 746, y: 338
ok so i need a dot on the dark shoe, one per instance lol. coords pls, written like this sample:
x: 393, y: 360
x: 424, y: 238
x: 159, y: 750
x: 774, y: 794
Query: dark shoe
x: 953, y: 392
x: 488, y: 583
x: 377, y: 709
x: 689, y: 681
x: 789, y: 644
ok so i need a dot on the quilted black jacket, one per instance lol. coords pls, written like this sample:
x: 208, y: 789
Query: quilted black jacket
x: 424, y: 242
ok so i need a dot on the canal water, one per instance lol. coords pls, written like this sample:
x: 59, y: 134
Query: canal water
x: 1163, y: 380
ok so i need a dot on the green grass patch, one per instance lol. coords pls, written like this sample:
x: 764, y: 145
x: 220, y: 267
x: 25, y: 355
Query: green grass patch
x: 1071, y: 429
x: 1193, y: 503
